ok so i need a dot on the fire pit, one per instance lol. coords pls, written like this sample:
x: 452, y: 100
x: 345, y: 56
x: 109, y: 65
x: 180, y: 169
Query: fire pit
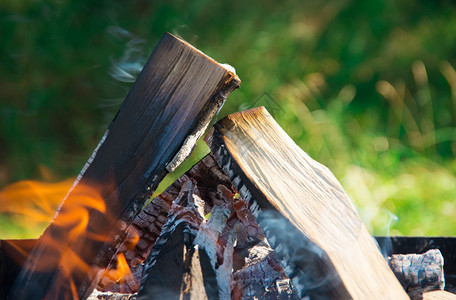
x: 256, y: 218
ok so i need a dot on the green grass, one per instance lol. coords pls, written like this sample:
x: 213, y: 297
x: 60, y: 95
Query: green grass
x: 367, y: 88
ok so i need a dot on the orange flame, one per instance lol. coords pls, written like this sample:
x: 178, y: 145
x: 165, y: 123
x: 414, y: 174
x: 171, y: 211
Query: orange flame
x: 132, y: 238
x: 74, y: 214
x: 123, y: 270
x: 36, y: 203
x: 32, y: 204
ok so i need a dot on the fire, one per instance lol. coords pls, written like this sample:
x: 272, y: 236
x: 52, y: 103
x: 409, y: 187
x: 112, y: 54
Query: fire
x: 35, y: 204
x: 123, y: 270
x: 119, y: 270
x: 32, y: 204
x: 74, y: 215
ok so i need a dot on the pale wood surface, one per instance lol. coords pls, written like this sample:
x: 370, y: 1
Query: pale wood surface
x: 175, y: 96
x: 297, y: 193
x: 439, y: 295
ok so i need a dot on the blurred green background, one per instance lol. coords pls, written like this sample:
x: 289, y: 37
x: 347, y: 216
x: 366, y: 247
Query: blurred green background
x: 367, y: 88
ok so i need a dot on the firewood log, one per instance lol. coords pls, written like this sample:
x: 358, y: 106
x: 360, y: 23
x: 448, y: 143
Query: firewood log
x: 419, y: 273
x: 168, y: 108
x: 307, y: 217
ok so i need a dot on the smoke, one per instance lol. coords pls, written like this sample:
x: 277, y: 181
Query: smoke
x: 303, y: 261
x: 385, y: 245
x: 391, y: 218
x: 129, y: 65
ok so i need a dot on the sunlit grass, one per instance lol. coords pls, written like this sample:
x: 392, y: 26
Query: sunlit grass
x: 397, y: 188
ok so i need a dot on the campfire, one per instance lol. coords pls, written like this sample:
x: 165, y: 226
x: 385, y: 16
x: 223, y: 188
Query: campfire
x: 257, y: 218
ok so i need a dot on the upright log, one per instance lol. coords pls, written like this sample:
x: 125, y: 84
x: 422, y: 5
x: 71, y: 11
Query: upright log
x: 168, y: 108
x: 303, y: 210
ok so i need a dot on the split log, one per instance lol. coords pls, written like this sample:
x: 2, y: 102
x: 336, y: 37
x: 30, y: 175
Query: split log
x: 305, y: 213
x: 174, y: 98
x: 419, y: 273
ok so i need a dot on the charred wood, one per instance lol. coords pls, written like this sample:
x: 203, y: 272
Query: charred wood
x: 204, y: 251
x: 166, y: 269
x: 211, y: 185
x: 419, y: 273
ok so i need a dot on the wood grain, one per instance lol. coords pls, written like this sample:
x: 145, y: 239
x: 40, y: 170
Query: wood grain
x: 177, y: 93
x: 439, y: 295
x: 306, y: 215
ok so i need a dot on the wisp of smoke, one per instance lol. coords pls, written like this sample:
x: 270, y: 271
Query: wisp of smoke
x: 303, y: 261
x: 385, y: 245
x: 128, y: 66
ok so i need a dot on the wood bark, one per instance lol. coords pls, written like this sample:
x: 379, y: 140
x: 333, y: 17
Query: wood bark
x: 305, y: 213
x: 174, y: 98
x: 419, y: 273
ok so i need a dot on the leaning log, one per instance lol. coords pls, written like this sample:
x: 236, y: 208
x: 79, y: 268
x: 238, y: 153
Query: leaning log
x: 174, y: 98
x: 305, y: 213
